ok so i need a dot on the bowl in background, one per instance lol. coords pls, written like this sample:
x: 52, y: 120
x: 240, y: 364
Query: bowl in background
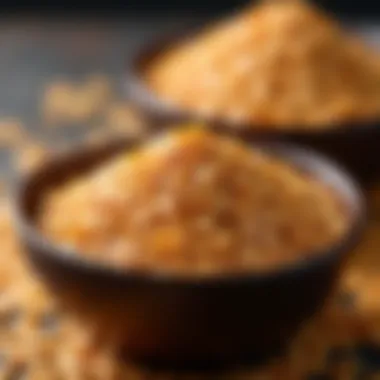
x: 354, y: 145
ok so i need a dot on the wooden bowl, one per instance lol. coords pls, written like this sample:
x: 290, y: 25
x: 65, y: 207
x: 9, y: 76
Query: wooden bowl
x: 186, y: 323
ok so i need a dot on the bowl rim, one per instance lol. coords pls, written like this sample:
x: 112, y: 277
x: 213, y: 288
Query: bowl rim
x: 138, y: 93
x: 313, y: 164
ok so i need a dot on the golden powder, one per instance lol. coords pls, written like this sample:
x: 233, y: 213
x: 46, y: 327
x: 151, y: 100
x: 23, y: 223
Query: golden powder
x: 195, y: 202
x: 279, y: 65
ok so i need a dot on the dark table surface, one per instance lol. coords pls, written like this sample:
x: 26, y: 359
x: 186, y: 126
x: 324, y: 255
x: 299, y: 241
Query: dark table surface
x: 34, y: 52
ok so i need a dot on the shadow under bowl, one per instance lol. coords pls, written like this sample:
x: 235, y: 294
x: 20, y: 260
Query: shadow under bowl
x: 355, y: 145
x: 177, y: 322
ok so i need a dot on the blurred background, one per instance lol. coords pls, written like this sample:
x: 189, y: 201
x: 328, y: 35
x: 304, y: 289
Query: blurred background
x: 364, y: 8
x: 45, y: 43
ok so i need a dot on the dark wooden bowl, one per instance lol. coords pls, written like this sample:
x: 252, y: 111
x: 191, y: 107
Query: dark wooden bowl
x: 354, y: 145
x: 187, y: 323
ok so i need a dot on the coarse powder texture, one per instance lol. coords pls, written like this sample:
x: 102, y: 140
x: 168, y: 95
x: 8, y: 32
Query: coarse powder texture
x: 193, y: 202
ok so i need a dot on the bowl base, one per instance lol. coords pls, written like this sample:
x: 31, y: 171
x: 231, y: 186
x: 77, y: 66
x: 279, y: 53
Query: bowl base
x: 203, y: 365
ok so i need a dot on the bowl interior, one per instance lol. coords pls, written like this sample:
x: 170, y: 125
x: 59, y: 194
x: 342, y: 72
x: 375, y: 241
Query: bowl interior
x: 32, y: 188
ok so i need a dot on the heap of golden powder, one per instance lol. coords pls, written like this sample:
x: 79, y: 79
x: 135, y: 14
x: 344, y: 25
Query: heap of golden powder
x: 195, y: 202
x: 282, y: 64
